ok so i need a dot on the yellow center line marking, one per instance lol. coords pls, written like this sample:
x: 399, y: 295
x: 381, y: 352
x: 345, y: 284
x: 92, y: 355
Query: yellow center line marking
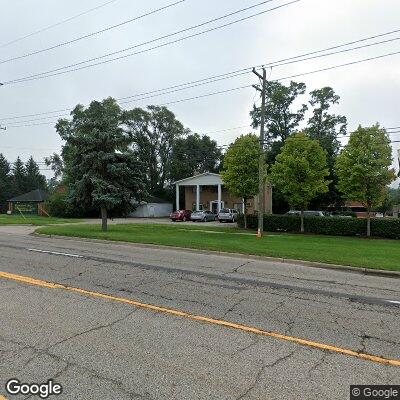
x: 2, y: 397
x: 183, y: 314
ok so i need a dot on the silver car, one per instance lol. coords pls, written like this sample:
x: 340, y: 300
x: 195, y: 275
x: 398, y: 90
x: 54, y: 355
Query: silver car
x: 228, y: 215
x: 202, y: 216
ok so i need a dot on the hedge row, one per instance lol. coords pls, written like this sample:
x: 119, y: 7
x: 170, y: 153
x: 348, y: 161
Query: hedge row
x: 335, y: 226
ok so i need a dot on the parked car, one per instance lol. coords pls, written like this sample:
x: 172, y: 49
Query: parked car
x: 228, y: 215
x: 202, y: 216
x: 181, y: 215
x: 307, y: 213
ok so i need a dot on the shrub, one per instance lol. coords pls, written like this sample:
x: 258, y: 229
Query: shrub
x: 335, y: 226
x: 56, y: 206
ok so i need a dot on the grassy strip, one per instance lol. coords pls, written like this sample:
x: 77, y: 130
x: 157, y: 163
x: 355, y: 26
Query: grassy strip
x: 33, y: 220
x: 368, y: 253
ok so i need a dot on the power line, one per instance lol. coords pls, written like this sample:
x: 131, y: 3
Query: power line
x: 278, y: 79
x: 92, y: 33
x: 220, y: 77
x: 57, y: 24
x: 71, y: 67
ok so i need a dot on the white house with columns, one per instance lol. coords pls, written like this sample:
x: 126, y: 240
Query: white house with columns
x: 206, y: 191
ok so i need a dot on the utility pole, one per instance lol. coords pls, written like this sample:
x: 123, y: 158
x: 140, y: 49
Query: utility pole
x: 261, y: 161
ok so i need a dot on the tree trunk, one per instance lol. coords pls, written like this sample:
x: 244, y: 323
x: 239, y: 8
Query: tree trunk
x: 368, y: 221
x: 302, y: 221
x: 103, y: 219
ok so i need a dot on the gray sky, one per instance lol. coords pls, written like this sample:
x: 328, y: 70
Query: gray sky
x: 369, y: 91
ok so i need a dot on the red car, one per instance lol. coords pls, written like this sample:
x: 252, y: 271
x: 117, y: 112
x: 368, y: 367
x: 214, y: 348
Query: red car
x: 181, y: 215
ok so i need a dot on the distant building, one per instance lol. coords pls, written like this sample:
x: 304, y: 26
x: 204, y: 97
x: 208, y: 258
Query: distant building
x: 207, y: 192
x: 154, y: 207
x: 28, y: 203
x: 396, y: 211
x: 358, y: 208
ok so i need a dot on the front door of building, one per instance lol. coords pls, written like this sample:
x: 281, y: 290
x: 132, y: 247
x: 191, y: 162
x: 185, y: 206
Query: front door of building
x: 214, y: 206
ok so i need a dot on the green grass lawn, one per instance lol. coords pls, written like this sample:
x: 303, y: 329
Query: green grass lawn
x: 369, y: 253
x: 33, y: 220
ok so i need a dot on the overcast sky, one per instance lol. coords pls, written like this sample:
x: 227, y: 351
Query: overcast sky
x: 369, y: 91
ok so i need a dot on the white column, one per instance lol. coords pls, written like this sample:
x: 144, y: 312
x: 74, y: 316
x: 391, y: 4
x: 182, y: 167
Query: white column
x: 219, y: 198
x: 197, y: 197
x: 177, y: 197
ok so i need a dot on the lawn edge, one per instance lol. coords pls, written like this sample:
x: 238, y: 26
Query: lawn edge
x: 313, y: 264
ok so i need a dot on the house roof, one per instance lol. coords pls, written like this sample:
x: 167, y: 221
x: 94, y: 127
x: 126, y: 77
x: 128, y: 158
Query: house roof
x: 37, y: 195
x: 206, y: 178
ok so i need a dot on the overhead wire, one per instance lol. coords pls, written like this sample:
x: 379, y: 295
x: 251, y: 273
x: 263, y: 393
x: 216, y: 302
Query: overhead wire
x: 212, y: 79
x: 56, y: 24
x: 278, y: 79
x: 89, y: 35
x: 79, y: 65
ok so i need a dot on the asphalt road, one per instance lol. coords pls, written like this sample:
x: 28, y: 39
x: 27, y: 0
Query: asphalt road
x: 100, y: 347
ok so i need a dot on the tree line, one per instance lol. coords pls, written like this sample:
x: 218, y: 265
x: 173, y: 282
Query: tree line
x: 111, y: 156
x: 17, y: 178
x: 301, y: 171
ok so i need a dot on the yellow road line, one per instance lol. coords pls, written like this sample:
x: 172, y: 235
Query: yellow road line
x: 183, y: 314
x: 2, y: 397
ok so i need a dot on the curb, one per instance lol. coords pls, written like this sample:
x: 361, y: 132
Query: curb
x: 312, y: 264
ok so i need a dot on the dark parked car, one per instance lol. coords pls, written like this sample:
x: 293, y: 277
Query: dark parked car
x: 202, y: 216
x: 181, y: 215
x: 228, y: 215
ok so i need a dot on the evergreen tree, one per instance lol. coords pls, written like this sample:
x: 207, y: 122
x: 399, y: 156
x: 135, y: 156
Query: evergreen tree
x: 5, y: 183
x: 33, y: 178
x: 100, y: 169
x: 18, y: 177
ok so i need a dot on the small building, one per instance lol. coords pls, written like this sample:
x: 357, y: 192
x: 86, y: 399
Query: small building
x: 154, y: 207
x: 358, y: 208
x: 396, y: 211
x: 207, y: 192
x: 28, y: 203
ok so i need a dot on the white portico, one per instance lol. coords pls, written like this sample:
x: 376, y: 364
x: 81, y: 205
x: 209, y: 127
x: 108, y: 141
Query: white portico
x: 199, y: 193
x: 207, y: 191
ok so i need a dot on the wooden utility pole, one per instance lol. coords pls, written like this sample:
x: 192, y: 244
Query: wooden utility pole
x: 261, y: 186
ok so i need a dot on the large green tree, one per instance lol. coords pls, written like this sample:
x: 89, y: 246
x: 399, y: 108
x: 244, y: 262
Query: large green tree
x: 18, y: 177
x: 326, y: 128
x: 100, y: 169
x: 154, y: 131
x: 363, y: 168
x: 194, y: 153
x: 33, y: 178
x: 240, y: 170
x: 282, y: 115
x: 300, y: 172
x: 5, y: 183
